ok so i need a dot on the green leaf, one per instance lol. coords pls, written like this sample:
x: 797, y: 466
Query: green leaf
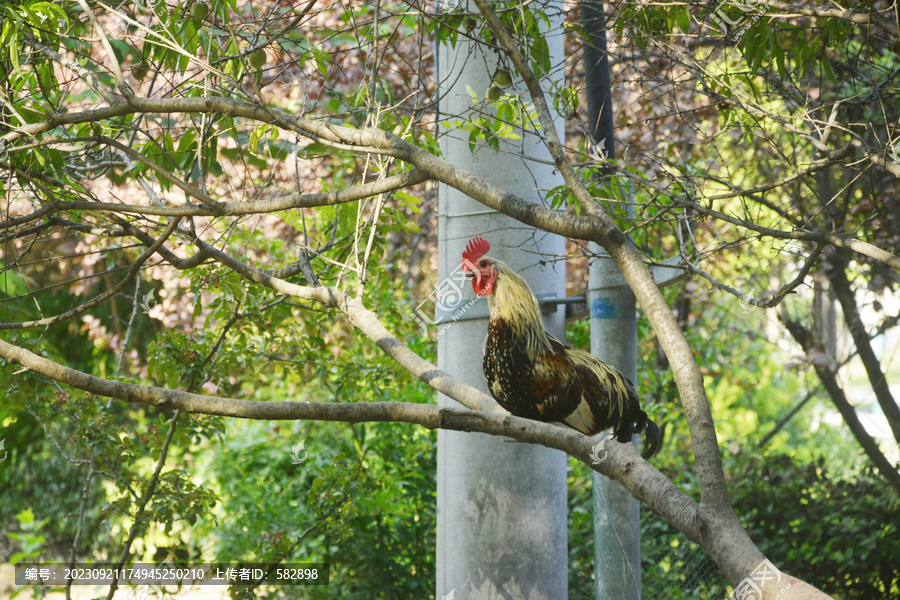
x: 11, y: 284
x: 540, y: 54
x: 322, y: 60
x: 123, y: 50
x: 26, y: 517
x: 683, y: 18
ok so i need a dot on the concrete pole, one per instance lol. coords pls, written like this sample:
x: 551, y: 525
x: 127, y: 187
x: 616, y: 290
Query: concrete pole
x: 617, y: 532
x: 617, y: 535
x: 501, y: 505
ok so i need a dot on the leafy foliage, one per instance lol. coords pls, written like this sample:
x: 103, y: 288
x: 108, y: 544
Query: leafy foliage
x: 836, y: 533
x: 745, y: 136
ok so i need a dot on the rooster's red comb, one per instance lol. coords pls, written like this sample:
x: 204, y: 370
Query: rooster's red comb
x: 477, y: 248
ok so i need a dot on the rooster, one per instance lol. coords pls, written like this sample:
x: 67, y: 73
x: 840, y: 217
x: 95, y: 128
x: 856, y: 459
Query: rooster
x: 533, y: 375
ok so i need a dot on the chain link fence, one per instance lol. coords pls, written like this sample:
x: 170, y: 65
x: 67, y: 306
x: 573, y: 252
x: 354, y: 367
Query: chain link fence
x: 675, y: 568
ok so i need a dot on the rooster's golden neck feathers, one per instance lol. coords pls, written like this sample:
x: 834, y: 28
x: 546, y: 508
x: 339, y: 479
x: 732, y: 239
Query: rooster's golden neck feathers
x: 513, y: 301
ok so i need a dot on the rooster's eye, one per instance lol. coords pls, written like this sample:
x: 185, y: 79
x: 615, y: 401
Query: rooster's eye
x: 483, y: 263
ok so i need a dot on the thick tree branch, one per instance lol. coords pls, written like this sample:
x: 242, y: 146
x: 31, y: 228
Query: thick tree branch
x: 722, y: 538
x: 623, y: 460
x: 687, y: 374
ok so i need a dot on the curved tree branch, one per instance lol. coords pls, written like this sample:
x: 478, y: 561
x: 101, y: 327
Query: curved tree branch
x: 594, y: 227
x: 723, y: 539
x: 687, y: 375
x: 281, y: 203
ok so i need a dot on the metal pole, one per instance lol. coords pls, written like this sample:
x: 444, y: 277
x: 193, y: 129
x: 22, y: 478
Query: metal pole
x: 617, y: 541
x: 501, y: 506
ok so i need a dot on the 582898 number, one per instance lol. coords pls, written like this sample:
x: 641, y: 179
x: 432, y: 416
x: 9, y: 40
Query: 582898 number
x: 292, y: 574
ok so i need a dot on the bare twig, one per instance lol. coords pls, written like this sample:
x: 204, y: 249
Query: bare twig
x: 776, y: 297
x: 132, y: 273
x: 149, y: 491
x: 135, y: 305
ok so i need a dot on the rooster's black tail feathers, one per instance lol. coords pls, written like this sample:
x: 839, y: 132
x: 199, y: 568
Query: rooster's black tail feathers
x: 653, y: 435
